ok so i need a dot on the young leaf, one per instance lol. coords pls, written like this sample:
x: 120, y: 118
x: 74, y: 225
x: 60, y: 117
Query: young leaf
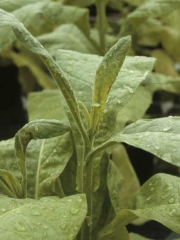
x: 53, y: 158
x: 105, y: 76
x: 49, y: 217
x: 10, y: 185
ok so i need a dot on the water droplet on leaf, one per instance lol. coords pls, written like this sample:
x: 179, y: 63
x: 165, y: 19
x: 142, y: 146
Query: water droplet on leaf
x: 171, y: 200
x: 167, y: 128
x: 63, y: 226
x: 74, y: 211
x: 19, y: 227
x: 2, y: 209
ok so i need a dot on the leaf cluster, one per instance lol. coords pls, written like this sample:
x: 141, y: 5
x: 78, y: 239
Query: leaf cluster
x: 75, y: 181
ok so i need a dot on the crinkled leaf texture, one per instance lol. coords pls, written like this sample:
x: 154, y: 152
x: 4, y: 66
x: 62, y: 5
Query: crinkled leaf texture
x: 158, y: 199
x: 47, y: 218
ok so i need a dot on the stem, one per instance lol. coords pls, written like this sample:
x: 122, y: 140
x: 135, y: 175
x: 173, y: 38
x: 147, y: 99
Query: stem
x: 59, y: 187
x: 38, y: 171
x: 101, y: 23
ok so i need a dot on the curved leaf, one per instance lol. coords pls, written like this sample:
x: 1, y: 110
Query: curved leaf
x: 158, y: 199
x: 105, y: 77
x: 48, y: 218
x: 9, y: 185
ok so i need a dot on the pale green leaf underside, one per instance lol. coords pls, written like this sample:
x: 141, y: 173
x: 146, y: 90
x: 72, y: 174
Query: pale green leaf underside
x: 48, y: 218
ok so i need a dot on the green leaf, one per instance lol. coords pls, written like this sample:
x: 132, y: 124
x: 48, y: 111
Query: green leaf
x: 134, y: 236
x: 45, y: 104
x: 156, y: 81
x: 149, y: 9
x: 53, y: 158
x: 9, y: 5
x: 38, y: 129
x: 158, y: 199
x: 114, y: 182
x: 67, y: 36
x: 128, y: 181
x: 48, y: 218
x: 160, y: 137
x: 8, y: 161
x: 135, y: 108
x: 10, y: 185
x: 105, y: 77
x: 133, y: 72
x: 119, y: 234
x: 43, y: 16
x: 80, y: 3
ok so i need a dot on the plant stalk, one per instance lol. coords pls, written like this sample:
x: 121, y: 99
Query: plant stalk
x: 101, y: 23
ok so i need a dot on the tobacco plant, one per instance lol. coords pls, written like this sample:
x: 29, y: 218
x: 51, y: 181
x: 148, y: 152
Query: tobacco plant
x: 75, y: 180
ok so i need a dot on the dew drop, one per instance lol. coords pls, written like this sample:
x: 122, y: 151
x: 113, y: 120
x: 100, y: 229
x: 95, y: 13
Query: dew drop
x: 148, y: 199
x: 152, y: 189
x: 74, y: 211
x: 2, y: 209
x: 45, y: 227
x: 19, y: 227
x: 71, y: 237
x: 157, y: 147
x: 167, y: 128
x: 36, y: 213
x: 63, y: 226
x: 171, y: 200
x: 130, y: 90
